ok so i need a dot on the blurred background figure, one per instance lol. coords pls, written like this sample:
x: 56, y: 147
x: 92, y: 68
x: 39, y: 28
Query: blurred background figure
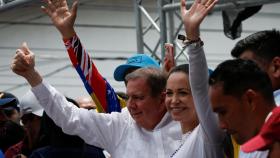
x: 11, y: 133
x: 86, y: 102
x: 45, y: 139
x: 31, y: 115
x: 9, y: 109
x: 64, y: 145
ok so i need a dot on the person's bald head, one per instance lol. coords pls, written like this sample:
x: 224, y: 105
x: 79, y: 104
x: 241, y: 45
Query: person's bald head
x: 86, y: 102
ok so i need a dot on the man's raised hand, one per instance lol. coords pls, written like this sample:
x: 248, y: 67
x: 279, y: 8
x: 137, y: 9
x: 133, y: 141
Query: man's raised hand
x: 23, y: 64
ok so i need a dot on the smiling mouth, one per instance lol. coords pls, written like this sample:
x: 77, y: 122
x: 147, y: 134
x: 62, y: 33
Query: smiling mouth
x: 136, y: 114
x: 177, y: 109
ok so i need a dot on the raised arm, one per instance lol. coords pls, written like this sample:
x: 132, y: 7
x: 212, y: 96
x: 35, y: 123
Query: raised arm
x: 192, y: 19
x: 97, y: 129
x: 100, y: 90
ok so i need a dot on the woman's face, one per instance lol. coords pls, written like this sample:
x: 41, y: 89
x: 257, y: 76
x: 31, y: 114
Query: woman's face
x: 179, y: 101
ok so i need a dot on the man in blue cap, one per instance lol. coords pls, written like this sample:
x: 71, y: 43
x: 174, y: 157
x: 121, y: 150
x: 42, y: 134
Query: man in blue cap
x: 9, y: 109
x: 11, y: 131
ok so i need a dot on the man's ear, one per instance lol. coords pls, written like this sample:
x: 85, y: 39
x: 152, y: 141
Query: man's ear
x: 251, y: 98
x: 275, y: 63
x: 162, y: 102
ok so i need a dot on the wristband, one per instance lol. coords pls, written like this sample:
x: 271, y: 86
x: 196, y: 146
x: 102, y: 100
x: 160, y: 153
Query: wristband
x: 187, y: 41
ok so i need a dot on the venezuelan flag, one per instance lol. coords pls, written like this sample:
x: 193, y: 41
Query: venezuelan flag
x: 100, y: 90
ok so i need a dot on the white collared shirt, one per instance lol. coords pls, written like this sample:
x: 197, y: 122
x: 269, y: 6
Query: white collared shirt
x: 116, y: 132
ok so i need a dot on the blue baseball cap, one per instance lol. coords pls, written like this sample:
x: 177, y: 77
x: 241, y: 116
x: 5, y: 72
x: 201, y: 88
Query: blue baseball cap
x: 134, y: 62
x: 8, y: 101
x: 5, y: 101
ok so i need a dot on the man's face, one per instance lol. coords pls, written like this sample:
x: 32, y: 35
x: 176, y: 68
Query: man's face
x: 10, y: 114
x: 15, y: 116
x: 3, y: 117
x: 146, y: 110
x: 32, y: 124
x: 233, y: 113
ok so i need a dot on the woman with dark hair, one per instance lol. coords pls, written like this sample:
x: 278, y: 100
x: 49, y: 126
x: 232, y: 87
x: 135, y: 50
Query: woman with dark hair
x: 199, y: 127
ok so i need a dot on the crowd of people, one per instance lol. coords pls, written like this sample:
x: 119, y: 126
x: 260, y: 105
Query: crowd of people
x: 167, y: 111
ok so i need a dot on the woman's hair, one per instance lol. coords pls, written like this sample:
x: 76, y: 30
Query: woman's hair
x: 180, y: 68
